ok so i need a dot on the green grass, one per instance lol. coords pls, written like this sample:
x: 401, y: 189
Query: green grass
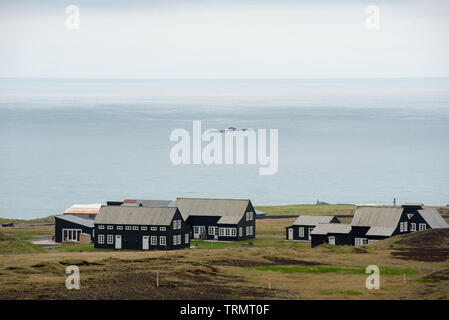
x: 345, y: 292
x: 428, y: 280
x: 18, y: 246
x: 308, y: 209
x: 78, y: 248
x: 49, y: 219
x: 326, y: 269
x: 257, y: 242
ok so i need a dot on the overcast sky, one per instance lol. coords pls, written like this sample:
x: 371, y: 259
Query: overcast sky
x: 224, y: 39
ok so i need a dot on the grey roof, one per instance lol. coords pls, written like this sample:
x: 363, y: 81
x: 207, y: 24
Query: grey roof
x: 312, y: 220
x: 78, y: 220
x: 325, y: 228
x: 135, y: 215
x: 131, y: 204
x: 381, y: 231
x: 211, y: 207
x: 261, y: 213
x: 369, y: 216
x: 229, y: 220
x: 433, y: 218
x: 156, y: 203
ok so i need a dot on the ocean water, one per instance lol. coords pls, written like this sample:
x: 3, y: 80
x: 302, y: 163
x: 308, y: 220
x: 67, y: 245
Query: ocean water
x: 340, y: 141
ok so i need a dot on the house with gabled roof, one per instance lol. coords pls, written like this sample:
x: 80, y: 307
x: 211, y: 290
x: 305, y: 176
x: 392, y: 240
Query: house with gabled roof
x: 219, y: 219
x: 427, y: 219
x: 302, y: 227
x: 86, y: 211
x: 372, y: 223
x: 70, y: 227
x: 133, y: 226
x: 331, y: 233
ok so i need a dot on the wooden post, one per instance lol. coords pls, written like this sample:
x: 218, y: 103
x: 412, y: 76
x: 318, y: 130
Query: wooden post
x: 269, y: 284
x: 157, y: 279
x: 404, y: 278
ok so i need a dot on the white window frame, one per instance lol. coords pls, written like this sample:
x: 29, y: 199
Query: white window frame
x: 143, y: 228
x: 110, y: 239
x: 179, y: 239
x: 301, y: 232
x: 128, y: 228
x: 162, y: 229
x: 211, y: 230
x: 370, y: 241
x: 153, y: 240
x: 135, y: 228
x: 175, y: 240
x: 359, y: 241
x: 422, y: 226
x: 186, y: 238
x: 412, y: 226
x: 251, y: 230
x: 228, y: 232
x: 331, y: 239
x: 110, y: 227
x: 153, y: 228
x: 221, y: 232
x: 119, y: 227
x: 162, y: 241
x: 240, y: 232
x: 101, y: 227
x: 233, y: 232
x: 101, y: 238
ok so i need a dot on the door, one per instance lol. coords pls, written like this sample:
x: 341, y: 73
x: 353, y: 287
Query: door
x: 145, y: 244
x: 118, y: 241
x: 310, y: 233
x: 331, y: 239
x: 290, y: 234
x: 216, y: 233
x: 196, y: 232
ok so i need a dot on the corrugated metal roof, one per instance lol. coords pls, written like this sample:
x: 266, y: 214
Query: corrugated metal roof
x: 312, y: 220
x: 380, y: 231
x: 325, y: 228
x: 135, y: 215
x: 92, y: 208
x: 433, y: 218
x: 211, y: 207
x: 369, y: 216
x: 74, y: 219
x: 229, y: 220
x: 131, y: 204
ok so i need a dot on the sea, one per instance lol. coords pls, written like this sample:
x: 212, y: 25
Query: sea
x: 340, y: 141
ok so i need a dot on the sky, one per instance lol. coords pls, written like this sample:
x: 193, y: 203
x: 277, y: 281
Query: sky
x: 225, y: 39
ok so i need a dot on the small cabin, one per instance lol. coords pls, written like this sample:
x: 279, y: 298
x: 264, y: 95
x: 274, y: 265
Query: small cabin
x: 68, y: 228
x: 85, y: 211
x: 331, y: 233
x: 302, y: 228
x: 133, y: 226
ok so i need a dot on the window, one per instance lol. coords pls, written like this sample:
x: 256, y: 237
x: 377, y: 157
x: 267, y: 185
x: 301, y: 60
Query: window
x: 162, y: 241
x: 221, y: 231
x: 234, y: 232
x: 93, y: 233
x: 228, y: 231
x: 101, y: 238
x: 250, y: 216
x: 301, y: 232
x: 403, y: 227
x: 247, y: 216
x: 153, y: 240
x: 110, y: 239
x: 247, y: 230
x: 110, y: 227
x: 179, y: 239
x: 211, y: 230
x: 127, y: 228
x: 176, y: 224
x: 240, y: 232
x: 251, y: 230
x: 153, y: 228
x: 143, y: 228
x: 359, y: 241
x: 71, y: 234
x: 187, y: 238
x: 162, y: 229
x: 422, y: 226
x: 413, y: 227
x: 196, y: 229
x: 371, y: 241
x: 135, y: 227
x: 331, y: 240
x: 119, y: 227
x: 100, y: 227
x: 175, y: 240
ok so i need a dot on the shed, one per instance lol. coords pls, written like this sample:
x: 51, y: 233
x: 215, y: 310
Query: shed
x: 302, y: 227
x: 139, y: 227
x: 69, y: 227
x: 219, y: 219
x: 427, y: 219
x: 331, y: 233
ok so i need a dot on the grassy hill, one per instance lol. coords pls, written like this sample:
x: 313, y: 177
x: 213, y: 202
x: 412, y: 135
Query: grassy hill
x: 309, y: 209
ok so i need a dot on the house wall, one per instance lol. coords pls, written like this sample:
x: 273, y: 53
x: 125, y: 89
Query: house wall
x: 133, y: 239
x: 64, y: 224
x: 404, y: 219
x: 340, y: 239
x: 417, y: 218
x: 306, y: 230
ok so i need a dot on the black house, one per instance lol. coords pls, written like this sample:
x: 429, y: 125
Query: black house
x: 372, y: 223
x: 332, y: 233
x: 131, y: 226
x: 69, y: 228
x: 219, y: 219
x: 302, y: 227
x: 427, y: 219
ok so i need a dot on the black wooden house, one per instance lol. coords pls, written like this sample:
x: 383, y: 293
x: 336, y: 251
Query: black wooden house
x: 427, y: 219
x: 219, y: 219
x: 69, y: 228
x: 132, y: 226
x: 302, y: 227
x: 332, y: 233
